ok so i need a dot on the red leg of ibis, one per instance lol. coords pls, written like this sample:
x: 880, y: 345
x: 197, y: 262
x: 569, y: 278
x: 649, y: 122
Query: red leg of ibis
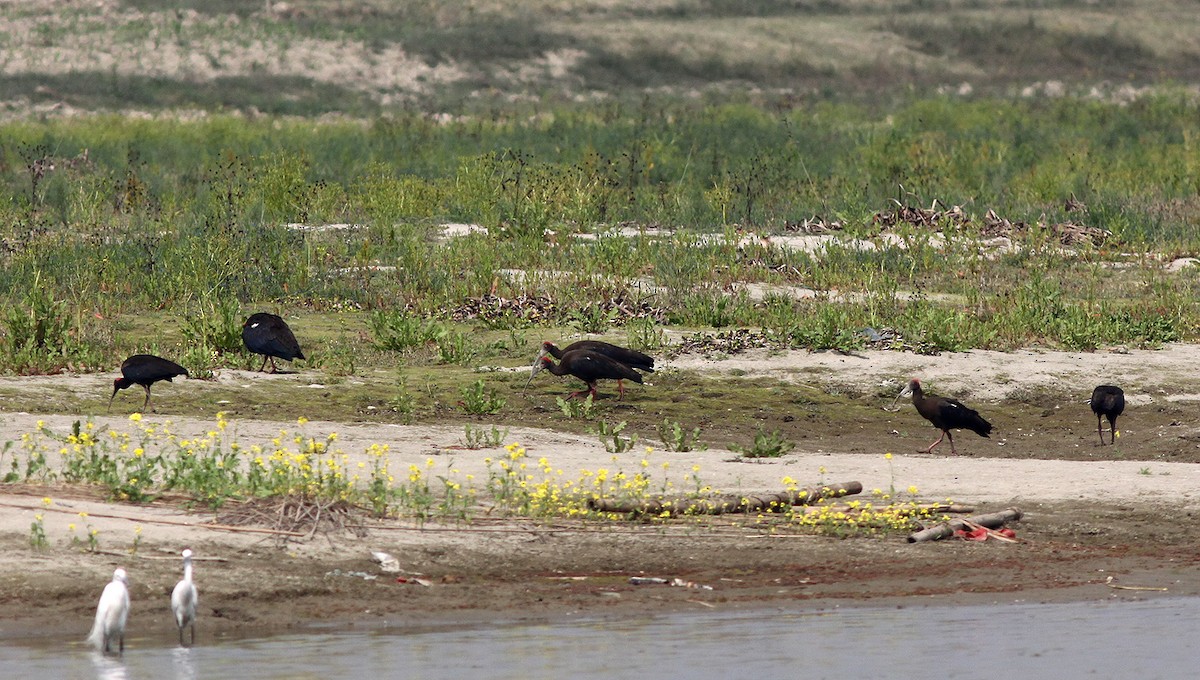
x: 951, y: 436
x: 1099, y: 431
x: 620, y: 390
x: 274, y: 368
x: 931, y: 446
x: 264, y: 364
x: 146, y: 407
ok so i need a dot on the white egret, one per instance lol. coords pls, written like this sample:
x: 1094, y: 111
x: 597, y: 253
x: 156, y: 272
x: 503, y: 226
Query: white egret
x: 183, y: 599
x: 111, y: 614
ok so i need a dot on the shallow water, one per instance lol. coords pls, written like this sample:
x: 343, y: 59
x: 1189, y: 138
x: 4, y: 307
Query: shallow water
x: 1109, y: 639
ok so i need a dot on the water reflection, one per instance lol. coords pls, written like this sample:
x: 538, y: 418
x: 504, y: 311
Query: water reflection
x: 185, y: 667
x: 1144, y: 639
x: 108, y: 667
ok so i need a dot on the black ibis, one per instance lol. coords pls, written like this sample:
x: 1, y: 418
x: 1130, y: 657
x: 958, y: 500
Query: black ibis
x: 946, y: 414
x: 269, y: 335
x: 145, y: 370
x: 1107, y: 401
x: 589, y: 367
x: 630, y: 357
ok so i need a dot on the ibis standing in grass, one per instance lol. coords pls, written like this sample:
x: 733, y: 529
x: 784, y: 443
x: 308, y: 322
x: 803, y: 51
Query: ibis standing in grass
x: 108, y: 631
x: 145, y: 370
x: 589, y: 367
x: 630, y: 357
x: 269, y: 335
x: 945, y: 414
x: 1108, y: 401
x: 183, y: 600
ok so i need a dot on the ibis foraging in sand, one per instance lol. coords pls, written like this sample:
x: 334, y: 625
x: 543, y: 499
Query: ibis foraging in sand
x: 270, y: 336
x: 145, y: 370
x: 1107, y: 401
x: 589, y: 367
x: 108, y: 631
x: 945, y: 414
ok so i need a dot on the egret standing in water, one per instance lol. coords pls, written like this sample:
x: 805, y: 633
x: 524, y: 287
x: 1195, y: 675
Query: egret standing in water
x: 109, y: 629
x: 183, y: 600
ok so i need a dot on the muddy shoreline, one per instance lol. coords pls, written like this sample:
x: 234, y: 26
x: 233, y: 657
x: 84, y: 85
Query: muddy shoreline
x: 529, y: 572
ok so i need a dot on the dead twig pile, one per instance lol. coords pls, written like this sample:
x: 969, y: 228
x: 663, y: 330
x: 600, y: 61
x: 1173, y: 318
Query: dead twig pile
x: 296, y: 515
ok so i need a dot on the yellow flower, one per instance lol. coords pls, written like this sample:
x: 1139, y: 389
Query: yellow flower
x: 83, y: 515
x: 301, y: 420
x: 135, y: 417
x: 887, y: 456
x: 912, y: 490
x: 71, y: 526
x: 46, y: 501
x: 137, y: 529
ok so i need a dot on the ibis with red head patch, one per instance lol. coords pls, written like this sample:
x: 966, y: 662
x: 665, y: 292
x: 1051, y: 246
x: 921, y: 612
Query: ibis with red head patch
x: 945, y: 414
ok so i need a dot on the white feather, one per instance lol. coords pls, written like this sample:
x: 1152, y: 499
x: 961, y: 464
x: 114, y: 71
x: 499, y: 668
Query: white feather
x: 111, y: 614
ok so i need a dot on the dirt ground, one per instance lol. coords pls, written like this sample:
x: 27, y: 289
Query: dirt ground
x: 1091, y: 514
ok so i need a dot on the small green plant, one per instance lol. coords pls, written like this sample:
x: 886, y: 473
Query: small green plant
x: 455, y: 348
x: 765, y: 445
x: 93, y: 539
x: 137, y: 539
x: 216, y: 328
x: 399, y: 330
x: 37, y: 532
x: 478, y: 399
x: 591, y: 318
x: 675, y: 438
x: 610, y: 436
x: 479, y: 438
x: 1144, y: 471
x: 572, y: 408
x: 645, y: 333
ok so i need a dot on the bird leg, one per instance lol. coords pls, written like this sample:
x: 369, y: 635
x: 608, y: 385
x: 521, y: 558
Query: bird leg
x: 951, y: 436
x: 146, y: 404
x: 193, y: 627
x: 274, y: 368
x: 1099, y: 429
x: 264, y: 364
x: 931, y: 446
x: 620, y: 390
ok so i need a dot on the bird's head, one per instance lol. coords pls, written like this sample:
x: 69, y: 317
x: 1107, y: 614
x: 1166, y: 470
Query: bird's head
x: 119, y: 575
x: 121, y: 383
x: 187, y: 553
x: 547, y: 346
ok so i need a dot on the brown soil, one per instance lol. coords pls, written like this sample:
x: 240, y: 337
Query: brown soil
x: 1092, y: 514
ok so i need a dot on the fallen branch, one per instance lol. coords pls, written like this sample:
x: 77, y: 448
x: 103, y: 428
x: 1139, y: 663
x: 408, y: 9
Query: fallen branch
x: 912, y: 509
x: 993, y: 520
x: 1109, y: 582
x: 720, y: 505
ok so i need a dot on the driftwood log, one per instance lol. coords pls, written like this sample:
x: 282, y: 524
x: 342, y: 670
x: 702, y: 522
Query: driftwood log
x: 993, y: 520
x: 719, y: 505
x: 919, y: 508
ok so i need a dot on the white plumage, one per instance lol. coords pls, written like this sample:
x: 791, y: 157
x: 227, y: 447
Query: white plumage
x: 183, y: 600
x: 111, y: 614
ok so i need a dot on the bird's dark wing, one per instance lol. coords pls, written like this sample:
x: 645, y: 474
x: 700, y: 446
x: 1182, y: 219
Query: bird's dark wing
x: 270, y: 335
x: 955, y: 414
x: 630, y: 357
x: 592, y: 366
x: 144, y: 368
